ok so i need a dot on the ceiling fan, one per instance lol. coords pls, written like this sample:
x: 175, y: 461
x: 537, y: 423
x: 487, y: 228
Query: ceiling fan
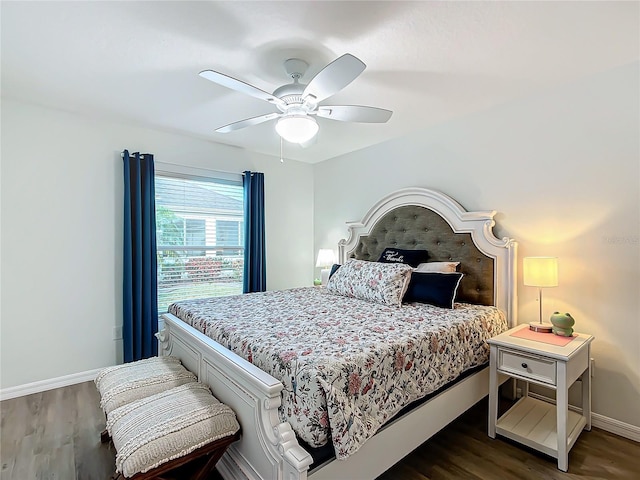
x: 298, y: 103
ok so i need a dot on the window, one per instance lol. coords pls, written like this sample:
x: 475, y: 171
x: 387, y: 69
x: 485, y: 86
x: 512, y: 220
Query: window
x: 229, y: 233
x: 199, y: 226
x: 195, y: 233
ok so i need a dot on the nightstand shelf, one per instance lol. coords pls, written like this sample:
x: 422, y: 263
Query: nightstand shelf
x: 546, y: 427
x: 532, y: 422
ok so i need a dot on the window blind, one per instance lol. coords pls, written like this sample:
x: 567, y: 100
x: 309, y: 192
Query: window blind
x: 200, y: 237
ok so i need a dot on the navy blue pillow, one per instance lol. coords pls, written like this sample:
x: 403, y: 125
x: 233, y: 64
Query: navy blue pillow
x: 334, y: 269
x: 399, y: 255
x: 437, y: 289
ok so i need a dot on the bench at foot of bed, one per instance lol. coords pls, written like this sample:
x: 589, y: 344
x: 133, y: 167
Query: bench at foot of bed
x: 198, y: 465
x: 184, y: 428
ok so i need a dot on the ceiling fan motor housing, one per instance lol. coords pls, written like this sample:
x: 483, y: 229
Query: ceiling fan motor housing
x: 291, y: 93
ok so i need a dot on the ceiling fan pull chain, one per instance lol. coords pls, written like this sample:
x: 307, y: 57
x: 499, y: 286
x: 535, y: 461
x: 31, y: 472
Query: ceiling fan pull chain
x: 281, y: 159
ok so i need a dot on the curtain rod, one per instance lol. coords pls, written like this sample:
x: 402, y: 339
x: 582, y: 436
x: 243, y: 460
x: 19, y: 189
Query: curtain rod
x: 122, y: 154
x: 160, y: 165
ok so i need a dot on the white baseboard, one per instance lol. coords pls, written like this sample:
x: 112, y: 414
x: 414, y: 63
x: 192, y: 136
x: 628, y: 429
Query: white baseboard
x: 44, y: 385
x: 616, y: 427
x: 610, y: 425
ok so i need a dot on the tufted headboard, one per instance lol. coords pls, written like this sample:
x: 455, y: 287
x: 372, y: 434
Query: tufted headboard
x: 418, y: 218
x: 418, y: 228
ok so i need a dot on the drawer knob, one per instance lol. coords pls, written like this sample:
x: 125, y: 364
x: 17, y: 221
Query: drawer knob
x: 524, y: 365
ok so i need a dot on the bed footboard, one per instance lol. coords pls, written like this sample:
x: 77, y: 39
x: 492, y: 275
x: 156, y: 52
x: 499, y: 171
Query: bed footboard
x: 268, y: 448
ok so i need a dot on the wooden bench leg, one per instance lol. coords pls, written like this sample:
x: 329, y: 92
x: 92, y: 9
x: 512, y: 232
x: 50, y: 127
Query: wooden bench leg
x: 204, y: 472
x: 104, y: 436
x: 209, y: 454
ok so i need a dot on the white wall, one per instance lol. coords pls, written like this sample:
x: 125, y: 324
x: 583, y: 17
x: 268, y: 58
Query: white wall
x: 62, y: 232
x: 562, y: 168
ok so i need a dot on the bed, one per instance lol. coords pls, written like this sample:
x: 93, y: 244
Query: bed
x: 413, y: 219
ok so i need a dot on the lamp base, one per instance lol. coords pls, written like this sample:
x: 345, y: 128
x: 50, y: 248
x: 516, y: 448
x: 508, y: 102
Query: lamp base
x: 540, y: 327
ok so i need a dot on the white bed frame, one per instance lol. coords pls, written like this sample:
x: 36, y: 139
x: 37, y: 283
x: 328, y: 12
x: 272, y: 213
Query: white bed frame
x: 269, y: 449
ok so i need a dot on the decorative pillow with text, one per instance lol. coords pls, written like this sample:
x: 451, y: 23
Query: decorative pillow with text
x: 400, y: 255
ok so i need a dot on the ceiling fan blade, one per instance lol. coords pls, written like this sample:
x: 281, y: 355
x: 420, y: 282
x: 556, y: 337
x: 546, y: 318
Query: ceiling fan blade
x: 334, y: 77
x: 240, y: 86
x: 247, y: 123
x: 354, y: 113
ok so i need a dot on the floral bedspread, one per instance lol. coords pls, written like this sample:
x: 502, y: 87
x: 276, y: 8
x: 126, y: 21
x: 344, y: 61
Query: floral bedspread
x: 347, y: 365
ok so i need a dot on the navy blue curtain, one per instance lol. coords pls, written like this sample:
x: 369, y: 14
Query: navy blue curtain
x: 140, y: 283
x: 255, y: 276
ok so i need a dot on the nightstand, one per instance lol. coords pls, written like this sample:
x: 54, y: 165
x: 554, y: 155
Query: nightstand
x: 549, y: 428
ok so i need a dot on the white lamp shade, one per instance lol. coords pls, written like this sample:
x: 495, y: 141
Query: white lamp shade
x: 297, y: 128
x: 326, y: 258
x: 540, y: 271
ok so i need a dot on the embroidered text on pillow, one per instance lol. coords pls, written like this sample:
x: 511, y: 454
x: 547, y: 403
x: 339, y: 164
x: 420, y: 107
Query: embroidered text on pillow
x: 393, y: 256
x: 401, y: 255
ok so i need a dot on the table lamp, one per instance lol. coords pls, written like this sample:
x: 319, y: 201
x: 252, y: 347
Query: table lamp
x: 326, y: 258
x: 541, y: 272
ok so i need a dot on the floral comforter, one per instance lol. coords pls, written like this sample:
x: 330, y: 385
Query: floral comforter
x: 347, y: 365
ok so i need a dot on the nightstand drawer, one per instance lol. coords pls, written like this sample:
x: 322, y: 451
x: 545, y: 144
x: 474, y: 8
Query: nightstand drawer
x: 527, y: 366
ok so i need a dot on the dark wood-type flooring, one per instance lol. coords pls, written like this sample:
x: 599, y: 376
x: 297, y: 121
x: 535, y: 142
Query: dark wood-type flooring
x: 55, y: 435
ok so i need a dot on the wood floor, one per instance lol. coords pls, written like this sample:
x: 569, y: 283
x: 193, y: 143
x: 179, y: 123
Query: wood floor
x: 54, y: 435
x: 463, y: 450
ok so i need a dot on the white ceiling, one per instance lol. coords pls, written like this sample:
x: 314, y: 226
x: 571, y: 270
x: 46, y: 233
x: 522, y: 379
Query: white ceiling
x: 138, y: 62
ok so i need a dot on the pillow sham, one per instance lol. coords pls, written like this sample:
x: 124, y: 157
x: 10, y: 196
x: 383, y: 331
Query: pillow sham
x: 400, y: 255
x: 444, y: 267
x: 435, y: 288
x: 372, y: 281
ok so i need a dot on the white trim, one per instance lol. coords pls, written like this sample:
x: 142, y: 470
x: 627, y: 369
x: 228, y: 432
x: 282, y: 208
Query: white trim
x: 616, y: 427
x: 50, y: 384
x: 195, y: 173
x: 602, y: 422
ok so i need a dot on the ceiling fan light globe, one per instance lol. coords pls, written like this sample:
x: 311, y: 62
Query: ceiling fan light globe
x: 297, y: 128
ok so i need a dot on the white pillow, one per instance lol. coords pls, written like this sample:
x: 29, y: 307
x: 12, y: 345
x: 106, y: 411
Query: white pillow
x: 442, y: 267
x: 384, y: 283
